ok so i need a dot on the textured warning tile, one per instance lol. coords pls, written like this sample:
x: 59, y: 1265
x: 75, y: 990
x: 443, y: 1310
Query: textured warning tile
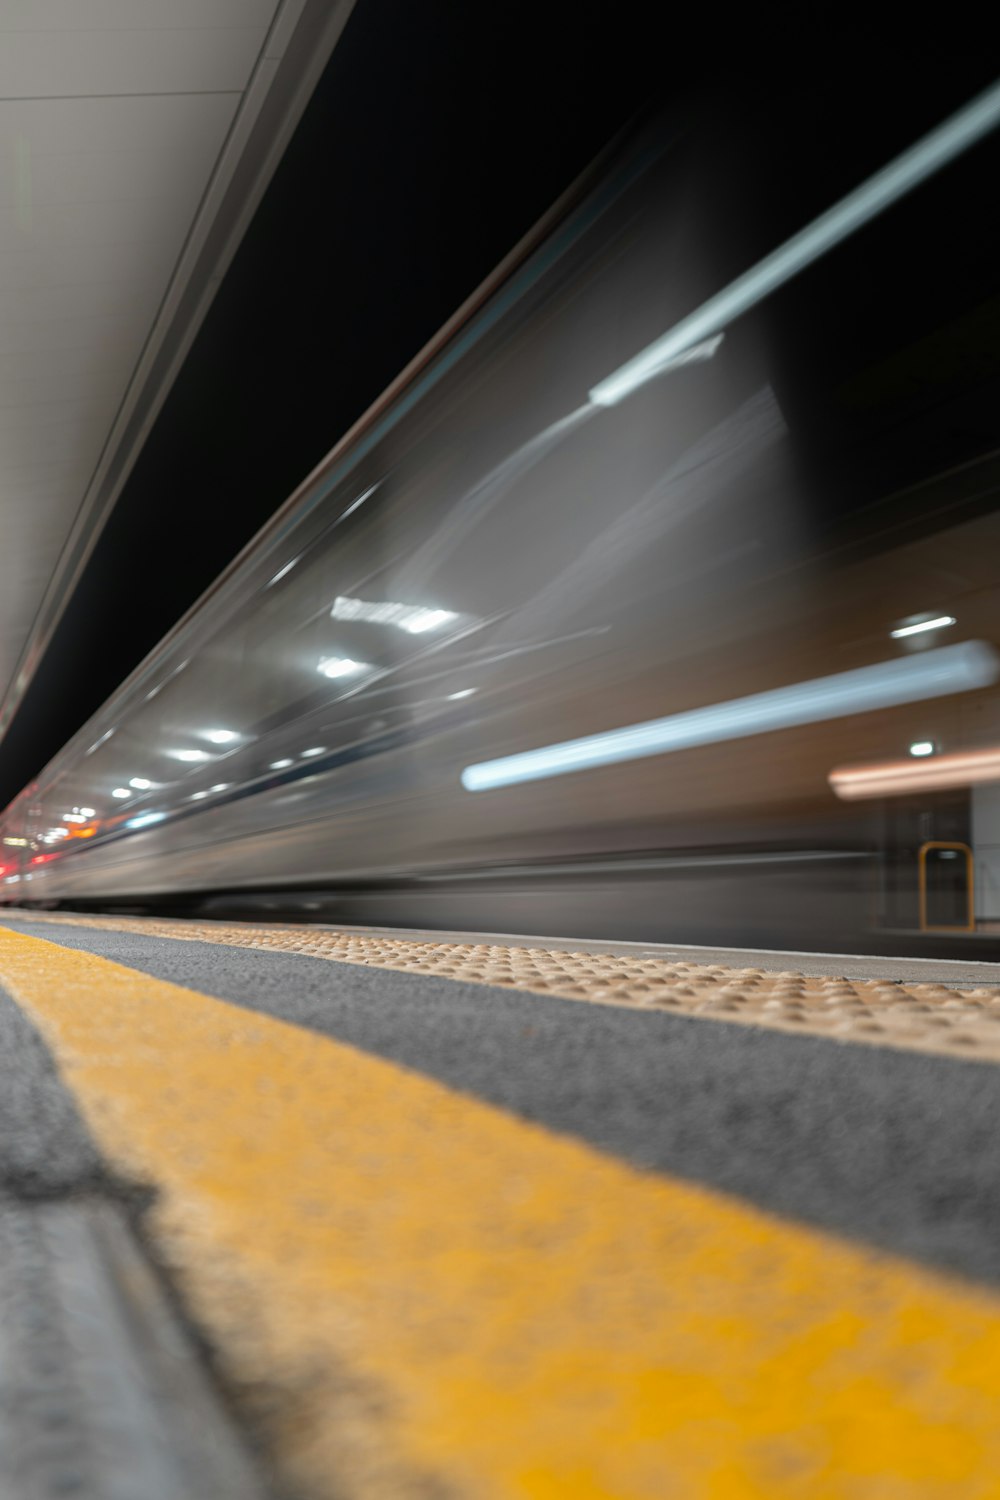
x: 422, y: 1295
x: 925, y: 1017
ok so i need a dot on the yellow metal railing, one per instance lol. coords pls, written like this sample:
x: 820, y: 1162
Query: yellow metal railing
x: 969, y: 925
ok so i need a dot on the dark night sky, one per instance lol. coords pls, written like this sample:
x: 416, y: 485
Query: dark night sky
x: 440, y: 132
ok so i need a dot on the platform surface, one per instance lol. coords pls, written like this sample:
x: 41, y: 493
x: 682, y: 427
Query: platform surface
x: 448, y: 1217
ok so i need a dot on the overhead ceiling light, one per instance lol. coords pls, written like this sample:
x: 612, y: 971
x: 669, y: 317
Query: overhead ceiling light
x: 938, y: 623
x: 88, y: 812
x: 911, y: 679
x: 188, y: 755
x: 340, y: 666
x: 221, y: 786
x: 316, y: 750
x: 145, y: 818
x: 74, y: 818
x: 221, y: 736
x: 140, y: 783
x: 197, y: 796
x: 280, y: 765
x: 922, y: 747
x: 121, y: 791
x: 462, y: 693
x: 427, y: 619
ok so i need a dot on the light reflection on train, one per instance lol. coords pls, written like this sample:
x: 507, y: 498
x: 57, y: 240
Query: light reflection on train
x: 607, y: 620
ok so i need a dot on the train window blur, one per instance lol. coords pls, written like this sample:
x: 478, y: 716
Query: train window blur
x: 746, y: 608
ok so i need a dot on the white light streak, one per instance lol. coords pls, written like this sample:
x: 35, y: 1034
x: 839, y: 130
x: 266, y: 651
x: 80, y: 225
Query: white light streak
x: 140, y: 783
x: 281, y: 765
x: 931, y: 674
x: 866, y: 202
x: 121, y: 791
x: 938, y: 623
x: 315, y: 750
x: 221, y: 736
x: 191, y: 755
x: 462, y: 693
x: 922, y: 747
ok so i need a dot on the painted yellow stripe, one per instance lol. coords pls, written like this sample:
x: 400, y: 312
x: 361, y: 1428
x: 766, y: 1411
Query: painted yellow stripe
x: 413, y: 1288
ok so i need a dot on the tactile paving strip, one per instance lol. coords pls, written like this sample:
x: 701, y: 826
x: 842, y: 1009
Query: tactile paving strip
x: 923, y: 1017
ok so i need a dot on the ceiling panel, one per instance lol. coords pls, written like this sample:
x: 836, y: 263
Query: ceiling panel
x: 113, y: 118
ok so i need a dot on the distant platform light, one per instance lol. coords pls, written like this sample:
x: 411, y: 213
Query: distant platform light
x: 922, y: 747
x: 121, y: 791
x: 938, y: 623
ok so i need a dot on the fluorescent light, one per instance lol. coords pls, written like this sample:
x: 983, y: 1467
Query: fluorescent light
x: 280, y: 765
x: 140, y: 783
x: 316, y: 750
x: 188, y: 755
x: 121, y: 791
x: 340, y: 666
x: 893, y: 778
x: 922, y: 747
x: 865, y: 203
x: 144, y: 819
x: 88, y: 812
x: 462, y: 693
x: 221, y: 786
x: 197, y: 796
x: 74, y: 818
x: 929, y: 674
x: 221, y: 736
x: 938, y: 623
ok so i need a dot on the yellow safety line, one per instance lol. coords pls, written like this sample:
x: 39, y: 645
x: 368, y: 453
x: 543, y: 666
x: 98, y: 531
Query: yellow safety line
x: 418, y: 1293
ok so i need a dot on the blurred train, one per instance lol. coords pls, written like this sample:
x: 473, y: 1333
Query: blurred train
x: 656, y: 599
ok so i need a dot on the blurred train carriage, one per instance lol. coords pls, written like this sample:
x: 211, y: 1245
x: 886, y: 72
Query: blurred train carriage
x: 711, y: 593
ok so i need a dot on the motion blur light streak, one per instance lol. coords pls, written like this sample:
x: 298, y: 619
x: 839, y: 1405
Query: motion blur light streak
x: 121, y: 791
x: 935, y: 674
x: 609, y: 392
x: 145, y: 818
x: 281, y: 765
x: 140, y: 783
x: 938, y: 623
x: 315, y: 750
x: 922, y: 747
x: 895, y: 778
x: 462, y: 693
x: 188, y: 755
x: 901, y: 176
x: 221, y: 736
